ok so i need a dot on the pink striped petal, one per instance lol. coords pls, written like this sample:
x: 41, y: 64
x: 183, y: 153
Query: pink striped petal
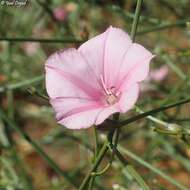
x: 68, y: 75
x: 117, y: 44
x: 135, y: 66
x: 65, y: 105
x: 93, y: 53
x: 82, y: 119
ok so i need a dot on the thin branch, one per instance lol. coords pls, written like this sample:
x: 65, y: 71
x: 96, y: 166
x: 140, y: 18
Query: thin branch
x: 46, y: 8
x: 73, y: 40
x: 100, y: 156
x: 164, y: 26
x: 151, y: 112
x: 21, y: 84
x: 41, y: 40
x: 131, y: 170
x: 136, y: 20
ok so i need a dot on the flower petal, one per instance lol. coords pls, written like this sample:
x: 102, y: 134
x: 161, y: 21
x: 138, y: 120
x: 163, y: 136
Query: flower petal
x: 82, y: 119
x: 117, y: 43
x: 68, y: 75
x: 68, y: 105
x: 105, y: 113
x: 159, y: 74
x: 135, y: 66
x: 86, y: 116
x: 93, y: 53
x: 129, y: 98
x: 126, y: 102
x: 80, y: 113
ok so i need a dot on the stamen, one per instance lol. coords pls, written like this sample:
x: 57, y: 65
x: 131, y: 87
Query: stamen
x: 103, y: 85
x: 111, y: 94
x: 111, y: 99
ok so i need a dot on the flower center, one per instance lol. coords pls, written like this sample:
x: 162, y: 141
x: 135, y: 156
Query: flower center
x: 111, y: 94
x: 112, y: 97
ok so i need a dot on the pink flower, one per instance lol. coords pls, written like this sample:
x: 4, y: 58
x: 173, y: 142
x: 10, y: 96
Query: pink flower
x: 159, y: 74
x: 156, y: 75
x: 60, y: 13
x: 101, y: 77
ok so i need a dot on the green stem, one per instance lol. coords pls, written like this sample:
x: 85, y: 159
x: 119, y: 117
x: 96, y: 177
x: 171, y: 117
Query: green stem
x: 9, y: 92
x: 10, y: 102
x: 41, y: 40
x: 174, y: 67
x: 173, y: 93
x: 71, y: 40
x: 47, y: 9
x: 164, y: 26
x: 10, y: 109
x: 136, y: 20
x: 98, y: 160
x: 96, y: 150
x: 104, y: 170
x: 96, y: 142
x: 152, y: 168
x: 128, y: 16
x: 21, y: 169
x: 117, y: 133
x: 151, y: 112
x: 166, y: 128
x: 131, y: 170
x: 111, y: 144
x: 21, y: 84
x: 151, y: 118
x: 34, y: 92
x: 91, y: 183
x: 137, y: 177
x: 38, y: 149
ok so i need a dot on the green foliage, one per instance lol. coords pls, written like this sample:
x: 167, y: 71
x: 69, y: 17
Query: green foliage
x: 149, y: 150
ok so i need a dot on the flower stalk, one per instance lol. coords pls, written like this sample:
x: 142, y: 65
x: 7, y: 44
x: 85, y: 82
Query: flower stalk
x: 98, y: 160
x: 136, y: 20
x: 105, y: 147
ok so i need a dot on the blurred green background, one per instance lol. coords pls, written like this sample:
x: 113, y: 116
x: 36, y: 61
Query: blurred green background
x: 29, y: 32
